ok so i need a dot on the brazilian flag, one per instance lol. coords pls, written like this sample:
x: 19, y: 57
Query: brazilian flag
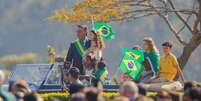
x: 104, y: 30
x: 130, y: 63
x: 138, y: 54
x: 102, y: 74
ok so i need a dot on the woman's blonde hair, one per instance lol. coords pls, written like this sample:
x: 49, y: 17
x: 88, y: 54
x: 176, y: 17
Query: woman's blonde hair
x: 149, y: 41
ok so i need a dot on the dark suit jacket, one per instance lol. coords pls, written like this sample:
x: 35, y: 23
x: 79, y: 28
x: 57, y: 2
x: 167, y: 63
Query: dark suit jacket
x: 74, y: 58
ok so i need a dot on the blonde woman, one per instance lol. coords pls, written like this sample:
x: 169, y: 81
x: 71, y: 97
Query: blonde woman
x: 152, y: 59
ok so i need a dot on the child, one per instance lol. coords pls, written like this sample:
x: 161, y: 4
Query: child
x: 169, y: 66
x: 89, y: 64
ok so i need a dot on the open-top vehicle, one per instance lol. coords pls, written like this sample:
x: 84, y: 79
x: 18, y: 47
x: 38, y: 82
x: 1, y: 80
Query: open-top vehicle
x: 48, y: 78
x: 45, y: 77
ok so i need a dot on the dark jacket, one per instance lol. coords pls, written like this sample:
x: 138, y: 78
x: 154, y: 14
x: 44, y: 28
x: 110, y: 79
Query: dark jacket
x: 74, y: 58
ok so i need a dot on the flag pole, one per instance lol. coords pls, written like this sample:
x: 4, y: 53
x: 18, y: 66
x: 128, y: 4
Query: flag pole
x: 92, y: 22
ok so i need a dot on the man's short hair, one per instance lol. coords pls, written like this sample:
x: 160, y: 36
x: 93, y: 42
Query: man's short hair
x: 75, y: 88
x: 120, y: 98
x: 142, y: 90
x: 129, y: 87
x: 193, y: 93
x: 22, y: 86
x: 92, y: 94
x: 2, y: 77
x: 188, y: 85
x: 84, y: 27
x: 74, y: 72
x: 77, y: 97
x: 167, y: 44
x: 32, y: 97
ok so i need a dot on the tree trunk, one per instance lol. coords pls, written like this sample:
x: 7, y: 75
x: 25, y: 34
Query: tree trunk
x: 188, y: 49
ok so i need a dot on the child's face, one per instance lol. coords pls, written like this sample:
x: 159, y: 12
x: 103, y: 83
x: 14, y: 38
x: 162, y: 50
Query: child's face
x: 87, y: 63
x: 166, y: 49
x: 91, y: 36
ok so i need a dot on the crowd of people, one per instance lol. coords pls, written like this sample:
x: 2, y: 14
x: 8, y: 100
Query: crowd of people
x: 17, y: 91
x: 129, y: 91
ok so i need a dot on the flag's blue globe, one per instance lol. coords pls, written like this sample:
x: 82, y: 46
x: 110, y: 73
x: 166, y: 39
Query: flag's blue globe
x: 104, y: 30
x: 130, y: 64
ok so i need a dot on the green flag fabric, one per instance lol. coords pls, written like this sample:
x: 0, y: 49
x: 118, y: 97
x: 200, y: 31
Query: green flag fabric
x: 104, y: 30
x: 138, y: 54
x: 80, y: 47
x: 102, y: 74
x: 131, y: 62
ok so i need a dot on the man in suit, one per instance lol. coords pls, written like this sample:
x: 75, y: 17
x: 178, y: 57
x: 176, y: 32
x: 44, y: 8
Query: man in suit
x: 77, y: 49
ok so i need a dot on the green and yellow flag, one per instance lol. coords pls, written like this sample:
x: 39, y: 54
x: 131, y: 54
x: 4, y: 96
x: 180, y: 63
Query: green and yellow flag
x: 104, y: 29
x: 80, y: 47
x: 131, y: 62
x: 102, y: 74
x: 138, y: 54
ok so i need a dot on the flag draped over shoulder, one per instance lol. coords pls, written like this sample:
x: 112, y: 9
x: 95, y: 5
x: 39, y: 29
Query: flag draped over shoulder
x: 104, y: 30
x: 102, y: 74
x: 131, y: 62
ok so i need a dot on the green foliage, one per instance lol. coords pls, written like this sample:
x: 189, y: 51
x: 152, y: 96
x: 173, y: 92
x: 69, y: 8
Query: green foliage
x: 63, y: 96
x: 9, y: 61
x: 84, y: 11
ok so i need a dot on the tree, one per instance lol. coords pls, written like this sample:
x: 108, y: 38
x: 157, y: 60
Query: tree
x: 9, y: 61
x: 186, y: 13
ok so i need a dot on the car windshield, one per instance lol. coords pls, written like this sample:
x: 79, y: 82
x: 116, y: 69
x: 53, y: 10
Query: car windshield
x: 33, y: 73
x: 54, y: 76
